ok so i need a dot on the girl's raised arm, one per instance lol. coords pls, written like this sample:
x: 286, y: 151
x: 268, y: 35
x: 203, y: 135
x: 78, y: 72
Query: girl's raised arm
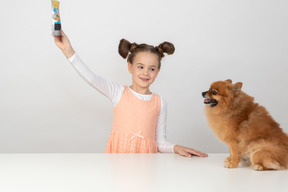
x: 107, y: 88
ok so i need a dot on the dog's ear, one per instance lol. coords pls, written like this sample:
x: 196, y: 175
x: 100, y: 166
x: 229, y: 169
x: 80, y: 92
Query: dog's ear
x: 229, y: 80
x: 237, y: 87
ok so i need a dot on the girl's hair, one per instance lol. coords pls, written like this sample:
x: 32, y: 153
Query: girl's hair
x: 125, y: 47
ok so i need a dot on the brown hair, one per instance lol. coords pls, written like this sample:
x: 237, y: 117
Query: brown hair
x: 125, y: 47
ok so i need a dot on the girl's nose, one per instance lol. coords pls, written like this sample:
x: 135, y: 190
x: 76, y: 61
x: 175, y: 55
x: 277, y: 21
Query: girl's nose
x: 145, y: 72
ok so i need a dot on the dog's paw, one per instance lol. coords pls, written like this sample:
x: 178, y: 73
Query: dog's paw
x: 230, y: 164
x: 258, y: 167
x: 227, y: 160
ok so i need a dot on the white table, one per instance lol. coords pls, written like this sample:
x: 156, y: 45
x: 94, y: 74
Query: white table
x: 131, y: 172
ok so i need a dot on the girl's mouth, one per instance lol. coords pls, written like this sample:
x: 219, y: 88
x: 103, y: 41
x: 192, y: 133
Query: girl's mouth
x: 144, y: 79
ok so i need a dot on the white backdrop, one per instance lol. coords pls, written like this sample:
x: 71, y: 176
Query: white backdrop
x: 46, y: 107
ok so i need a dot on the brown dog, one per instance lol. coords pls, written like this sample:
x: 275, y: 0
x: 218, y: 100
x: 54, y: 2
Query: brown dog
x: 246, y: 127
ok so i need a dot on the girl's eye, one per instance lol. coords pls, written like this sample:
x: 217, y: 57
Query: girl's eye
x: 214, y: 92
x: 152, y: 69
x: 140, y: 67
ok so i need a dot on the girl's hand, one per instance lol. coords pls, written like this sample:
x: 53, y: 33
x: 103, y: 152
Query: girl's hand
x: 188, y: 152
x: 64, y: 44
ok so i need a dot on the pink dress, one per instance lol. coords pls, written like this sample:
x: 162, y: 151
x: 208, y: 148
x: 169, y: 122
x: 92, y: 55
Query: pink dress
x: 134, y: 124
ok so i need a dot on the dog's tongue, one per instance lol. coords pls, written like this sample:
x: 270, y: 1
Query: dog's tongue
x: 207, y: 100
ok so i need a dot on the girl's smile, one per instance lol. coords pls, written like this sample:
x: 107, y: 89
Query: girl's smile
x: 144, y: 70
x: 144, y: 79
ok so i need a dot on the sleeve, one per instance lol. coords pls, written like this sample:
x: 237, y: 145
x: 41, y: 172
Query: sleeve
x: 162, y: 144
x: 107, y: 88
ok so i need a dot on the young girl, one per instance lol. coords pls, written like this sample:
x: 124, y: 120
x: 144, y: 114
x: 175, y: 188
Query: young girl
x: 139, y: 116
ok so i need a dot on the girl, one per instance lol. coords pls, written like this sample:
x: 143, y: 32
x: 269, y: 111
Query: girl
x: 139, y: 116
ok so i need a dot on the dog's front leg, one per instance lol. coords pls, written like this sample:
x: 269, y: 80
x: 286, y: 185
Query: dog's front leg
x: 233, y: 160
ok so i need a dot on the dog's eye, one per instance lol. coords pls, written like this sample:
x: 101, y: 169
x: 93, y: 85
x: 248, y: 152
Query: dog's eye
x: 214, y: 92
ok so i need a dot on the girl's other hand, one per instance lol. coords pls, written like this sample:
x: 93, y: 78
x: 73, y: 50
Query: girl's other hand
x: 188, y: 152
x: 64, y: 44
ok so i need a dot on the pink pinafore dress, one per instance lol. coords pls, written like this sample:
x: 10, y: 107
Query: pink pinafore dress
x: 134, y: 124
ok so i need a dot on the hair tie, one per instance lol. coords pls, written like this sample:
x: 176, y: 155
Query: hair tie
x: 160, y: 51
x: 133, y: 47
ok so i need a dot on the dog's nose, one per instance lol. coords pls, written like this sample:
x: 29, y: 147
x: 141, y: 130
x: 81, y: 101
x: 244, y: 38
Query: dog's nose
x: 204, y: 93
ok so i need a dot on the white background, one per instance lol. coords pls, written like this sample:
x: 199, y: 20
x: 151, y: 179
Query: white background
x: 46, y: 107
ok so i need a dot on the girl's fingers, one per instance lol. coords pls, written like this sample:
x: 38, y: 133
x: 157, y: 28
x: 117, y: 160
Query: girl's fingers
x: 63, y: 34
x: 198, y: 153
x: 60, y: 38
x: 186, y: 154
x: 57, y: 38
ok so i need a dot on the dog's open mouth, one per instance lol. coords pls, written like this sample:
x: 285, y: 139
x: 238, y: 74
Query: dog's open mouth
x: 211, y: 102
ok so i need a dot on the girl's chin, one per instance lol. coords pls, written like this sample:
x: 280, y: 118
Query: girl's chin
x: 143, y: 85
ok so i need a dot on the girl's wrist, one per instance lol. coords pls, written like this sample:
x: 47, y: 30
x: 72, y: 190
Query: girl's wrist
x: 68, y: 52
x: 175, y: 148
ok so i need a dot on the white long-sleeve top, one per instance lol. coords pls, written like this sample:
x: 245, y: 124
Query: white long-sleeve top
x: 114, y: 92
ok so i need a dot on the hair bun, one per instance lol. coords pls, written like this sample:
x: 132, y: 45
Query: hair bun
x: 124, y: 48
x: 165, y: 47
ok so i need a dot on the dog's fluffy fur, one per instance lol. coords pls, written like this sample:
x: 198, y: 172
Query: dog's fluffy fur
x: 246, y: 127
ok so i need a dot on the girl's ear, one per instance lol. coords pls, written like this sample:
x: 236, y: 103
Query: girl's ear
x: 158, y: 69
x: 130, y: 67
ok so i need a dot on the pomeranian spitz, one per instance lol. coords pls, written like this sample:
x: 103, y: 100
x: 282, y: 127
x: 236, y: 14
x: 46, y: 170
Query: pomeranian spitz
x: 246, y: 127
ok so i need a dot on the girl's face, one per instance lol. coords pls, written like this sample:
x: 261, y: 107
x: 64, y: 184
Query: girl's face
x: 144, y: 70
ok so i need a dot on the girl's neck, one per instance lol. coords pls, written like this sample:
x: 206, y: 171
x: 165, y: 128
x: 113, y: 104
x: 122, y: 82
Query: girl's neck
x: 140, y: 90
